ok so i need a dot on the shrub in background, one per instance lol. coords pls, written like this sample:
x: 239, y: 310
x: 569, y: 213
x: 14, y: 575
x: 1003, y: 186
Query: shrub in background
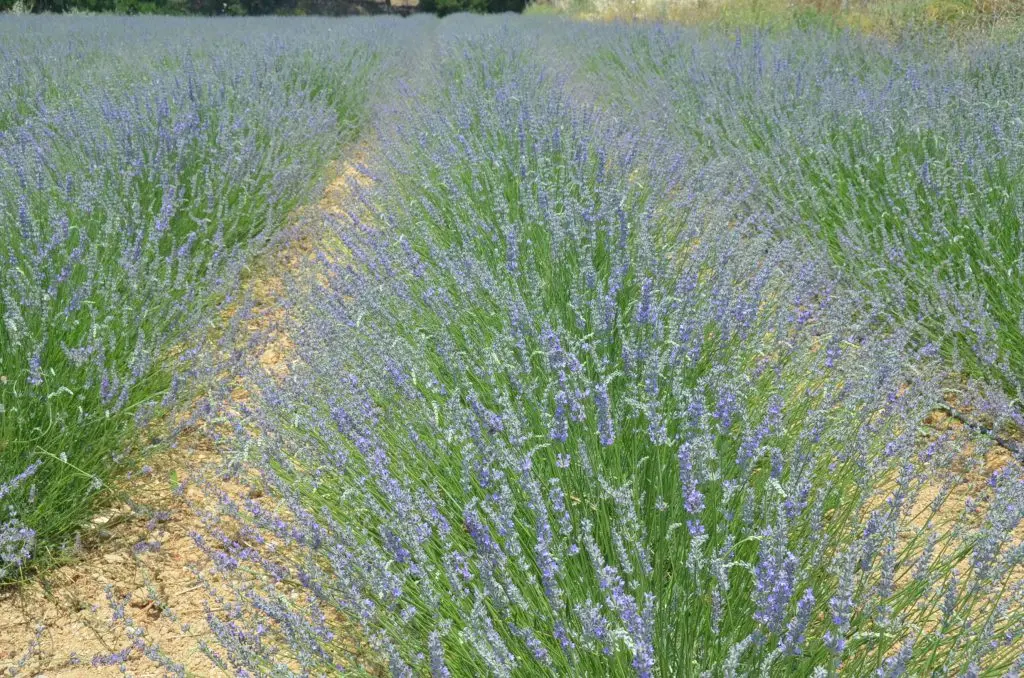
x: 443, y: 7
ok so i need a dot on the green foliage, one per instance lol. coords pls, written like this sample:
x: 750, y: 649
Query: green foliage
x: 253, y: 7
x: 443, y: 7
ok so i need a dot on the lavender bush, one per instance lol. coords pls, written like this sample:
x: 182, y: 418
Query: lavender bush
x: 140, y: 161
x: 566, y: 407
x: 901, y: 161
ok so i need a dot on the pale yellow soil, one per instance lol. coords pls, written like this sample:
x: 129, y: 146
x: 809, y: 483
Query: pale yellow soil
x: 55, y: 624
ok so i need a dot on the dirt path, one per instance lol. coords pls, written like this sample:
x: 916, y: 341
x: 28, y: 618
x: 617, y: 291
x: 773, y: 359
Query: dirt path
x: 134, y: 598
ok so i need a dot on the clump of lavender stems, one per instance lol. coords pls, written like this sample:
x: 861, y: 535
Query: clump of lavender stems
x: 565, y: 408
x: 138, y: 172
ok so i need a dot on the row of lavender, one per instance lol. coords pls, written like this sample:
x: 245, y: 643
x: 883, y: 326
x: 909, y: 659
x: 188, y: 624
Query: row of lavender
x: 141, y: 161
x: 902, y: 162
x: 567, y: 407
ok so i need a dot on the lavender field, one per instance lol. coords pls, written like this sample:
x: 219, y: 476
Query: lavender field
x: 604, y: 349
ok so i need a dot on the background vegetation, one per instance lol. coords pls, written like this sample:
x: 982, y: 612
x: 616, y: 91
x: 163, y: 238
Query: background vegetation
x: 443, y: 7
x: 879, y: 16
x: 257, y: 7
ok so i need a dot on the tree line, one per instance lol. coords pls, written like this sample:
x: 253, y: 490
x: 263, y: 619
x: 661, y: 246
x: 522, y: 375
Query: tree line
x: 259, y: 7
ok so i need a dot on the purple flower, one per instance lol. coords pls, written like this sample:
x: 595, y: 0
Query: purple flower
x: 693, y: 500
x: 606, y: 429
x: 797, y: 628
x: 560, y: 425
x: 774, y: 576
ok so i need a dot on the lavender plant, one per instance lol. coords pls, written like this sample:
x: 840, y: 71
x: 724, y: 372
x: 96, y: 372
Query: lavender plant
x: 901, y: 161
x: 565, y: 408
x: 132, y: 188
